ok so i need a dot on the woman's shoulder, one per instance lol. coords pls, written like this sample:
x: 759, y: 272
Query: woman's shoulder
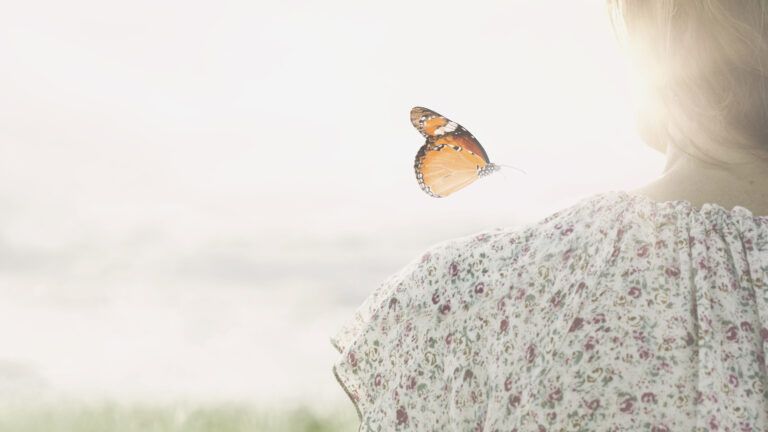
x: 587, y: 222
x: 457, y: 279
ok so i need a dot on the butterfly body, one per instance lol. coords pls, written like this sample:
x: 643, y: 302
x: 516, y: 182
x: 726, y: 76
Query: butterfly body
x: 451, y: 158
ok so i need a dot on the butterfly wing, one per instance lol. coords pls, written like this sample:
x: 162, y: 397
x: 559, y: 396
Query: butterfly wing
x: 435, y: 126
x: 443, y: 169
x: 451, y: 159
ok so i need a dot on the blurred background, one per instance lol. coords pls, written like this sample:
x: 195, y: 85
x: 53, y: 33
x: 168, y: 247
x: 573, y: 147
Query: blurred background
x: 194, y: 196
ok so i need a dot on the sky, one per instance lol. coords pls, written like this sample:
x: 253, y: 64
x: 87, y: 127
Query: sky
x: 195, y: 195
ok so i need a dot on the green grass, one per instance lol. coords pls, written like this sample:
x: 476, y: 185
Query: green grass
x: 113, y: 417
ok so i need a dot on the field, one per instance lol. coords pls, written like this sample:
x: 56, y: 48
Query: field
x: 113, y: 417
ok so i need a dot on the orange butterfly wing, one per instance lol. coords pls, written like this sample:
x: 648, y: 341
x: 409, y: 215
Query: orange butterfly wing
x: 444, y: 169
x: 451, y: 158
x: 433, y: 126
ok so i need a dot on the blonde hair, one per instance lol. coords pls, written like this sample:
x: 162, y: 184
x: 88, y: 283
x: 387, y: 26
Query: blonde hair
x: 703, y: 71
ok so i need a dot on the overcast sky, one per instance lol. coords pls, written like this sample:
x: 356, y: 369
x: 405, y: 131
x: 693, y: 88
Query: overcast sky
x: 195, y: 195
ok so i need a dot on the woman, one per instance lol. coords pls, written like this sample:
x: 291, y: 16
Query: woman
x: 630, y: 310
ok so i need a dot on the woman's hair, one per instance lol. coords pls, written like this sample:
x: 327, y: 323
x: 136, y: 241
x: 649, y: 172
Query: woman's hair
x: 703, y: 66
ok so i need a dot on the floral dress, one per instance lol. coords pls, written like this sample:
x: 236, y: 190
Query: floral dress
x: 617, y: 313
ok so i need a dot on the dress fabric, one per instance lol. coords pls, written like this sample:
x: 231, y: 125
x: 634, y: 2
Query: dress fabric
x: 617, y: 313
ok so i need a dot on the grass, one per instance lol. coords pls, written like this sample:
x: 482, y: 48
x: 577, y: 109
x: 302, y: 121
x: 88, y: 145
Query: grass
x: 113, y: 417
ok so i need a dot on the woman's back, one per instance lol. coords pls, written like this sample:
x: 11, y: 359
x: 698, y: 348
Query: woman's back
x: 624, y: 311
x: 616, y: 313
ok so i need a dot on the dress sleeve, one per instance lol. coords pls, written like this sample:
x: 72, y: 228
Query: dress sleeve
x: 393, y: 349
x: 370, y: 334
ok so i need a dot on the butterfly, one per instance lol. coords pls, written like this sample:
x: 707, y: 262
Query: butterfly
x: 451, y: 159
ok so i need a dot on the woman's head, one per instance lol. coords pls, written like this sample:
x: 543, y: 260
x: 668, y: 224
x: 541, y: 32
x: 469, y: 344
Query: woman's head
x: 703, y: 67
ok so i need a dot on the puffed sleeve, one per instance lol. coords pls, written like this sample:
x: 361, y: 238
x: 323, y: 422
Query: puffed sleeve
x: 394, y: 361
x: 369, y: 342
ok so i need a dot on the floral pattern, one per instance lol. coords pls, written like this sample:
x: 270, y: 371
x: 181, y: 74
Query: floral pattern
x: 617, y: 313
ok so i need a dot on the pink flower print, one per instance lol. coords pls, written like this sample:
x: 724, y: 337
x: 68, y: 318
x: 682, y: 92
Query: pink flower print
x: 590, y: 344
x: 504, y: 325
x: 732, y: 333
x: 703, y: 264
x: 479, y: 288
x: 642, y: 251
x: 377, y: 380
x: 520, y: 294
x: 435, y: 297
x: 764, y: 333
x: 402, y: 416
x: 449, y: 338
x: 411, y: 383
x: 593, y: 404
x: 352, y: 359
x: 672, y: 272
x: 514, y: 400
x: 627, y: 405
x: 556, y: 395
x: 425, y: 257
x: 733, y: 380
x: 713, y: 424
x: 445, y: 308
x: 634, y: 292
x: 530, y: 353
x: 648, y: 397
x: 599, y: 318
x: 660, y: 428
x: 567, y: 254
x: 501, y: 304
x: 577, y: 324
x: 638, y: 336
x: 483, y: 237
x: 508, y: 384
x: 746, y: 326
x: 453, y: 269
x: 566, y: 231
x: 644, y: 354
x: 660, y: 244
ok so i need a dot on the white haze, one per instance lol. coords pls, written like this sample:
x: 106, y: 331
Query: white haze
x: 195, y: 195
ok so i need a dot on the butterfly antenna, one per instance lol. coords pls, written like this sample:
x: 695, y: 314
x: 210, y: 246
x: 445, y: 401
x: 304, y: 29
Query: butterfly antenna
x: 515, y: 168
x: 504, y: 173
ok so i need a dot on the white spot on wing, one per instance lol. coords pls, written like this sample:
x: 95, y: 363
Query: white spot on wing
x: 447, y: 128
